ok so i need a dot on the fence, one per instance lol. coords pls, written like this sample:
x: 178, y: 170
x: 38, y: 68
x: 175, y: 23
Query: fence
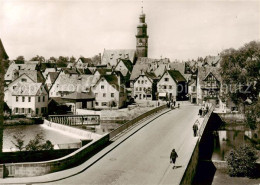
x: 133, y: 121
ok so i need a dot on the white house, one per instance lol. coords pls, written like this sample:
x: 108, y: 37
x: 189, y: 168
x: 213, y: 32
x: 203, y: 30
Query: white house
x: 9, y: 90
x: 143, y: 86
x: 109, y: 93
x: 30, y: 99
x: 172, y: 85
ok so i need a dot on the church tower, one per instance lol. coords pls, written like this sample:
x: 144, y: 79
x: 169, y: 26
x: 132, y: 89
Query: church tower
x: 142, y: 37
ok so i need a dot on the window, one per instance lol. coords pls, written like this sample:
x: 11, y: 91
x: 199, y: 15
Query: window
x: 22, y: 110
x: 104, y: 94
x: 142, y: 82
x: 136, y: 88
x: 17, y: 98
x: 102, y: 80
x: 166, y: 79
x: 164, y: 87
x: 23, y: 99
x: 29, y: 99
x: 42, y: 110
x: 145, y: 81
x: 16, y: 110
x: 96, y: 103
x: 112, y: 95
x: 14, y: 87
x: 102, y: 87
x: 104, y: 103
x: 37, y: 111
x: 170, y: 87
x: 39, y: 99
x: 138, y: 81
x: 29, y: 110
x: 43, y: 98
x: 24, y: 80
x: 140, y: 88
x: 193, y: 88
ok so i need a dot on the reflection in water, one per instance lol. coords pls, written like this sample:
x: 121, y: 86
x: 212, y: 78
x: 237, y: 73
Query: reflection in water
x: 225, y: 140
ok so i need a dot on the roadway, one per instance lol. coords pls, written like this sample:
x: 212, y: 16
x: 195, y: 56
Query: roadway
x: 143, y: 158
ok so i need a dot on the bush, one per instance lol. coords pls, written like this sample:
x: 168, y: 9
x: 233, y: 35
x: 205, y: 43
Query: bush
x: 242, y: 161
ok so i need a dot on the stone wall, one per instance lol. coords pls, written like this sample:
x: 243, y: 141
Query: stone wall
x: 232, y: 117
x: 41, y: 168
x: 192, y: 166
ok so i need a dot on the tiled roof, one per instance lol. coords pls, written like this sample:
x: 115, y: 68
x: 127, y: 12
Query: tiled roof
x: 3, y: 54
x: 112, y: 80
x: 151, y: 75
x: 111, y: 56
x: 27, y: 89
x: 35, y: 75
x: 147, y: 65
x: 104, y: 71
x: 127, y: 63
x: 203, y: 72
x: 79, y: 96
x: 47, y: 71
x: 53, y: 76
x: 70, y: 71
x: 176, y: 75
x: 80, y: 83
x: 10, y: 71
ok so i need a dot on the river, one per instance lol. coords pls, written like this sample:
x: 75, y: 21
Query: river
x: 30, y: 131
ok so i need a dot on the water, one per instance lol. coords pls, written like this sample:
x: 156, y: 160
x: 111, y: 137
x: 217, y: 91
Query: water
x: 225, y: 140
x: 30, y: 131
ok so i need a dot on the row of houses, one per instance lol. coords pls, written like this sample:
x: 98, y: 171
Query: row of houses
x: 120, y: 77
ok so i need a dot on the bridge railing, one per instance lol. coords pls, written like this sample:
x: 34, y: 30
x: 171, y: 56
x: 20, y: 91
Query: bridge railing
x: 205, y: 121
x: 134, y: 121
x: 75, y: 119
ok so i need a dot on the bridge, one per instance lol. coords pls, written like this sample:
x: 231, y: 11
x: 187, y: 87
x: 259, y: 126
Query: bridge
x: 140, y: 155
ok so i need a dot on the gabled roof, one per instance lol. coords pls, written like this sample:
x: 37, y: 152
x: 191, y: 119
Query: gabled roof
x: 127, y: 63
x: 79, y: 96
x: 35, y: 75
x: 53, y: 76
x: 203, y: 72
x: 3, y: 54
x: 176, y: 75
x: 111, y: 56
x: 104, y: 71
x: 27, y: 89
x: 112, y: 80
x: 147, y: 65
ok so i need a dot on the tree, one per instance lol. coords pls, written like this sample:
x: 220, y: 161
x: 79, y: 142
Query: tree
x: 38, y: 58
x: 242, y: 161
x: 96, y: 60
x: 62, y: 61
x: 72, y: 59
x: 20, y: 59
x: 19, y: 141
x: 240, y: 69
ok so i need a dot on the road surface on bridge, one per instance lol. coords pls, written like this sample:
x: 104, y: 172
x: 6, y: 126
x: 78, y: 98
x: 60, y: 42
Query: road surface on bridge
x: 144, y: 158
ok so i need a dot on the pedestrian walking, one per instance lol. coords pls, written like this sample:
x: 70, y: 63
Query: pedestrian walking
x: 200, y: 112
x: 195, y: 129
x: 173, y: 157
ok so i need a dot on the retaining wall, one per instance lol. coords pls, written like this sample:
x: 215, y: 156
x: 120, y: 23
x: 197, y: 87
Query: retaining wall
x: 30, y: 169
x: 41, y: 168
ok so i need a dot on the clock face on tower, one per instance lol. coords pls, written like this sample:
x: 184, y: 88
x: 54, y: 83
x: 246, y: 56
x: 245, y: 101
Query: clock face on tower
x: 142, y: 42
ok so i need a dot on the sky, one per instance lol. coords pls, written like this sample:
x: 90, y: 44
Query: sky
x: 178, y: 29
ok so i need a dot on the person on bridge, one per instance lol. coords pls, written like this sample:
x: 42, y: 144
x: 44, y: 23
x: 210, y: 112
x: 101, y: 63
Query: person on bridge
x: 195, y: 129
x: 173, y: 157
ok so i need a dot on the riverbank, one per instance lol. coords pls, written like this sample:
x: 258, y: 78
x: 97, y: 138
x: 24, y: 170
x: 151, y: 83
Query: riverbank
x: 22, y: 121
